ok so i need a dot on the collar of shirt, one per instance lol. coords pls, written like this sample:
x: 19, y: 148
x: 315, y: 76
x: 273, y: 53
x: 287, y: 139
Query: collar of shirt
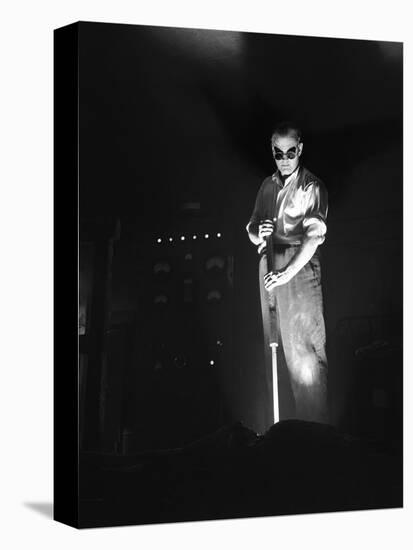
x: 292, y: 177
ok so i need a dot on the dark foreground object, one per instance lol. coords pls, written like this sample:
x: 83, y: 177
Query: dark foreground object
x: 295, y: 468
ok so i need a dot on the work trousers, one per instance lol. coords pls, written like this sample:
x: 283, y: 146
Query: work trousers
x: 298, y: 307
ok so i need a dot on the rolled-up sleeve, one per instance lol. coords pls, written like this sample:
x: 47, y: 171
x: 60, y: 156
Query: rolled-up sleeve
x: 316, y: 209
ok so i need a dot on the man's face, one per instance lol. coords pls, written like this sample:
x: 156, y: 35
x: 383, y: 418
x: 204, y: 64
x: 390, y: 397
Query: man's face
x: 287, y: 146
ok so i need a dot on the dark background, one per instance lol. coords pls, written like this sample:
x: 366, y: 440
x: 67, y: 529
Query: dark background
x: 175, y: 116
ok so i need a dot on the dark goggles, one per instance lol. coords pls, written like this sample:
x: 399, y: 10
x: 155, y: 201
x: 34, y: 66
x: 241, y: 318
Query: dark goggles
x: 279, y: 155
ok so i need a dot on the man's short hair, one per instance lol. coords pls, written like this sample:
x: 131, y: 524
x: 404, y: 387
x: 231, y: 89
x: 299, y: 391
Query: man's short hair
x: 287, y: 128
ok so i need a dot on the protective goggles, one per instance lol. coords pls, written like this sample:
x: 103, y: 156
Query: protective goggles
x: 290, y: 154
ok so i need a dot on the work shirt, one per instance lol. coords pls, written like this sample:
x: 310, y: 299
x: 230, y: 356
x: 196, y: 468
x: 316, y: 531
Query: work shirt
x: 299, y: 204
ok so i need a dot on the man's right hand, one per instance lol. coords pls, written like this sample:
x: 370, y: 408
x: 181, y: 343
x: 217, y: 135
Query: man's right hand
x: 265, y: 228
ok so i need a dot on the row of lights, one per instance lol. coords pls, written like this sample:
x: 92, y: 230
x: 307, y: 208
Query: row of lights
x: 183, y: 238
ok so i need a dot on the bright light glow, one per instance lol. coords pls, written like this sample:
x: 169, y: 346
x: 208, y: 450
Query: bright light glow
x: 206, y: 236
x: 182, y: 238
x: 194, y: 237
x: 218, y: 235
x: 159, y: 240
x: 212, y: 362
x: 306, y: 375
x: 170, y: 239
x: 304, y: 371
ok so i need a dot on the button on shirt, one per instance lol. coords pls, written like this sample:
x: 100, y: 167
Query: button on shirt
x: 300, y: 209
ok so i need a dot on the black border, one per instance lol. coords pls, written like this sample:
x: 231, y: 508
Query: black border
x: 65, y: 248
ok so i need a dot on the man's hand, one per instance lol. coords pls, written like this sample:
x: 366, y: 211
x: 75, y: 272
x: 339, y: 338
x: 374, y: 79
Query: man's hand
x: 265, y: 228
x: 297, y: 262
x: 278, y: 278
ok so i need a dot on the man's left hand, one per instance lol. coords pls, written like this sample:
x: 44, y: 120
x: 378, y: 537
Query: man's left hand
x: 277, y: 278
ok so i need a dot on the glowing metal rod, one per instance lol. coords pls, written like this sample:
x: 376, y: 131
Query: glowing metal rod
x: 273, y: 347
